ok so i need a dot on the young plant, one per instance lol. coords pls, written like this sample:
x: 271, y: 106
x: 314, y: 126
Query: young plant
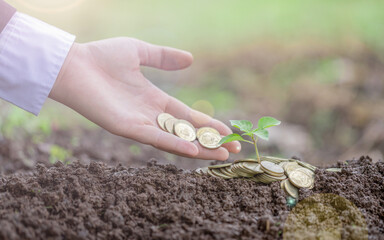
x: 255, y: 133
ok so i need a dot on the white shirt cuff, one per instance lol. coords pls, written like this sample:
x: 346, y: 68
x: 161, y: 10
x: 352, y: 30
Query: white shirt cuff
x: 31, y: 56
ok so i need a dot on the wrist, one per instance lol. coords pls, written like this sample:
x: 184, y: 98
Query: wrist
x: 60, y: 87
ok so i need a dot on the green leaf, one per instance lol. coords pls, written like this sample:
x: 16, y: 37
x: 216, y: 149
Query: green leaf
x: 266, y: 122
x: 232, y: 137
x: 262, y: 133
x: 243, y: 125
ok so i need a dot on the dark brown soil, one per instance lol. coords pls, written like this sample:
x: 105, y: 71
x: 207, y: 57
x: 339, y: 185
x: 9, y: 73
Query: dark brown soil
x: 96, y: 201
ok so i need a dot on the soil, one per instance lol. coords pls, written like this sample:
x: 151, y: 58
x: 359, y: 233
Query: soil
x: 99, y: 201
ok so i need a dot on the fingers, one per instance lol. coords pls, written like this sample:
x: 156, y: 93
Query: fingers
x: 199, y: 119
x: 173, y: 144
x: 220, y: 154
x: 180, y: 110
x: 165, y: 58
x: 165, y: 141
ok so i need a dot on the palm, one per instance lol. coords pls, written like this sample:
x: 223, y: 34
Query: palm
x: 109, y: 89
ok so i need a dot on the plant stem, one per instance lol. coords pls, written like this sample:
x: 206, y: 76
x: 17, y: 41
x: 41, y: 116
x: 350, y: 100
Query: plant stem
x: 257, y: 151
x: 248, y: 142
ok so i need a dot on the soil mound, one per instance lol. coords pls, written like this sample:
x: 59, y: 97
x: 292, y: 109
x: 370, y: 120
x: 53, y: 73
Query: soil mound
x: 95, y: 201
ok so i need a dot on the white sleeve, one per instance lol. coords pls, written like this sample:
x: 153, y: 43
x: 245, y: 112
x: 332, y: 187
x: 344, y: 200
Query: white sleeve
x: 31, y: 56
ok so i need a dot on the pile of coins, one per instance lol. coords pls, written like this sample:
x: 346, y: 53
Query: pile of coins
x: 292, y: 173
x: 208, y: 137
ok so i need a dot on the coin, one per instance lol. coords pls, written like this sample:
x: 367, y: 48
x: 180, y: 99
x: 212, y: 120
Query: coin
x: 209, y: 140
x: 282, y: 184
x: 236, y: 169
x: 256, y: 178
x: 271, y: 168
x: 253, y: 167
x: 211, y: 173
x: 306, y: 165
x: 161, y: 118
x: 282, y: 164
x: 188, y: 123
x: 310, y: 172
x: 300, y: 178
x: 227, y: 171
x: 202, y: 130
x: 246, y: 160
x: 290, y: 189
x: 290, y: 166
x: 223, y: 171
x: 185, y: 130
x: 220, y: 165
x: 243, y: 169
x: 169, y: 124
x: 265, y: 178
x: 274, y: 178
x: 273, y: 159
x: 218, y: 173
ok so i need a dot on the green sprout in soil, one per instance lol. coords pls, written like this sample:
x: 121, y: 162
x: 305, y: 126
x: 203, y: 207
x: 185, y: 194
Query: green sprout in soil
x: 58, y: 153
x: 254, y: 133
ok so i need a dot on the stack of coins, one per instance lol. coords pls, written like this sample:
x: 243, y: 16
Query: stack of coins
x: 292, y: 173
x: 208, y: 137
x: 272, y: 172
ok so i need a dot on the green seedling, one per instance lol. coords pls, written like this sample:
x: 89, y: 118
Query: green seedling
x: 248, y: 130
x: 58, y: 153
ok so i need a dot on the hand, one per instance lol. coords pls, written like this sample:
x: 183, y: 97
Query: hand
x: 102, y: 81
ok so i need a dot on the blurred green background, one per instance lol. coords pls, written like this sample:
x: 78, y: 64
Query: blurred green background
x: 315, y: 65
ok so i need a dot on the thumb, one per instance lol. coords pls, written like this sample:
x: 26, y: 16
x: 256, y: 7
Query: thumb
x: 165, y: 58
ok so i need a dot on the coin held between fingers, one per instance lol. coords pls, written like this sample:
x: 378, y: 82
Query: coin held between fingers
x: 185, y: 131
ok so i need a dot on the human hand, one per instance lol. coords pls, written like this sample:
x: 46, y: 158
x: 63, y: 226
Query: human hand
x: 103, y: 82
